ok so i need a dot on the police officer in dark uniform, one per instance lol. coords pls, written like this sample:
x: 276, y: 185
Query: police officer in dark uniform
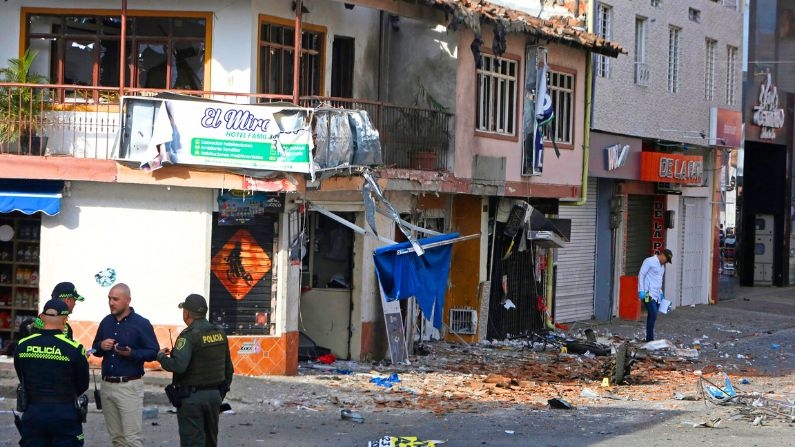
x: 53, y: 371
x: 203, y: 370
x: 66, y: 292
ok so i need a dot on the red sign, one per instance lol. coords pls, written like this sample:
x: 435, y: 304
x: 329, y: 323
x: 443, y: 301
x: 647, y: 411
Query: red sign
x: 658, y: 225
x: 674, y: 168
x: 728, y: 127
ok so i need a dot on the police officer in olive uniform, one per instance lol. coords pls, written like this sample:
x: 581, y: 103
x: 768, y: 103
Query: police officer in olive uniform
x: 203, y: 370
x: 53, y: 371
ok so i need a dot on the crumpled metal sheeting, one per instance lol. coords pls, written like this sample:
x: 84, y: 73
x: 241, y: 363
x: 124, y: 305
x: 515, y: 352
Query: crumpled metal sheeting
x: 561, y: 29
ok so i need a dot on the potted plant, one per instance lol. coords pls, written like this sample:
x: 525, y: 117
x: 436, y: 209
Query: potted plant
x: 426, y: 121
x: 22, y: 107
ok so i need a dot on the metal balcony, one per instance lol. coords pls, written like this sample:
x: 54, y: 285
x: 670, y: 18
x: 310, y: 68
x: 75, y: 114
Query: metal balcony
x: 84, y: 122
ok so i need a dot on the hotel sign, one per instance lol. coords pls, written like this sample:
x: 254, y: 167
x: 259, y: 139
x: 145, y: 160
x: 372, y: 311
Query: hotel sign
x: 675, y: 168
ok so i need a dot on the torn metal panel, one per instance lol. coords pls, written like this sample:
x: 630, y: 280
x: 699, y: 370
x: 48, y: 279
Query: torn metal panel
x: 373, y: 191
x: 354, y: 227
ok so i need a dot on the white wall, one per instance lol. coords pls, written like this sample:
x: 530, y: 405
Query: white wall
x: 157, y: 239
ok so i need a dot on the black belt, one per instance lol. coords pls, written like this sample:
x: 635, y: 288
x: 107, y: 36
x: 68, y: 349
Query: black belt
x: 120, y: 379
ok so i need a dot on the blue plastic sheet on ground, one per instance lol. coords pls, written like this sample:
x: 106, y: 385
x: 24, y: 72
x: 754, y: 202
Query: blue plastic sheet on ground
x: 345, y: 372
x: 386, y: 382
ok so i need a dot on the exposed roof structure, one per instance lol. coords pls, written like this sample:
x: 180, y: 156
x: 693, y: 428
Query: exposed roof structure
x: 565, y: 30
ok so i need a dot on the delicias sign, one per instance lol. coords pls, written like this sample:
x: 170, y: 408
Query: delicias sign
x: 675, y: 168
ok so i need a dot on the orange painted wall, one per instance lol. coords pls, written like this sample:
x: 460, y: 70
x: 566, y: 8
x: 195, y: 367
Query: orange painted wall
x: 465, y: 262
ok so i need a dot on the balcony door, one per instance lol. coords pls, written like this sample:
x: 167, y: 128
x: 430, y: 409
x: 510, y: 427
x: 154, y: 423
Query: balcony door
x: 342, y: 60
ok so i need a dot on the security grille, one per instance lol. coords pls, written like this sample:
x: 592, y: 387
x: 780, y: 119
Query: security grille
x: 463, y: 321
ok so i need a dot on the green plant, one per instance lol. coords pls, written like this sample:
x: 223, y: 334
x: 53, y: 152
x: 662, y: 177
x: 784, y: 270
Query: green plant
x: 21, y: 107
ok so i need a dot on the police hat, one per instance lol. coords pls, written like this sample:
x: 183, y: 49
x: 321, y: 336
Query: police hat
x: 60, y: 308
x: 66, y: 290
x: 194, y: 303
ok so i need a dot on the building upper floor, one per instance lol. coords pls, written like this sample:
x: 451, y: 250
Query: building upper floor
x: 684, y: 59
x: 449, y: 85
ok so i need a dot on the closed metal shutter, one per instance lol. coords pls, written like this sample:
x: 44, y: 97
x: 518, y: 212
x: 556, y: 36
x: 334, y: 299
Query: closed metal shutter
x: 638, y: 238
x: 693, y: 259
x: 574, y: 289
x: 240, y: 300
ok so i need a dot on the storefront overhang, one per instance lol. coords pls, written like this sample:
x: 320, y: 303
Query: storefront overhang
x: 31, y: 196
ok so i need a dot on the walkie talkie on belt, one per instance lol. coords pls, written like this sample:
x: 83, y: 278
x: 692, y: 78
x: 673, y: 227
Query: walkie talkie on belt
x: 97, y: 395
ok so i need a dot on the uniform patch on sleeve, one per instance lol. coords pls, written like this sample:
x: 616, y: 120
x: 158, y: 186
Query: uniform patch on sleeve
x: 180, y: 343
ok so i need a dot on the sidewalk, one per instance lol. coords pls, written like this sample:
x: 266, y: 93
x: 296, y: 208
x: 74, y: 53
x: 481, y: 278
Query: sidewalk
x: 753, y: 327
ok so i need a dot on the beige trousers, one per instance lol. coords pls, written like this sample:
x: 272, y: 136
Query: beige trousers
x: 122, y: 405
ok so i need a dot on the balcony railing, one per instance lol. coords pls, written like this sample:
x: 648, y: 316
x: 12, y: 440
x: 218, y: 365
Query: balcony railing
x: 84, y: 122
x: 642, y: 73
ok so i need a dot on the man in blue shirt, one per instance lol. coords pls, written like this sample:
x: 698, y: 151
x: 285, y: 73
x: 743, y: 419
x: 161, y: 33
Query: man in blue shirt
x: 124, y: 340
x: 650, y: 280
x: 53, y: 371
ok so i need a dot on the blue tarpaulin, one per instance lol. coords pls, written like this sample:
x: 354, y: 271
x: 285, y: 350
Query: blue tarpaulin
x: 423, y: 277
x: 31, y: 196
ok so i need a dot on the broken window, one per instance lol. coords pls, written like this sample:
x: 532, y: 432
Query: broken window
x: 276, y: 50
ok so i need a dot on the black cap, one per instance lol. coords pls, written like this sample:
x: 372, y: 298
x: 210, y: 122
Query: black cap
x: 668, y: 255
x: 194, y: 303
x: 66, y: 290
x: 60, y: 308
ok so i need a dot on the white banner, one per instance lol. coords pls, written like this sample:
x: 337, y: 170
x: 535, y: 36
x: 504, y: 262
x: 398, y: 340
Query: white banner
x: 159, y: 132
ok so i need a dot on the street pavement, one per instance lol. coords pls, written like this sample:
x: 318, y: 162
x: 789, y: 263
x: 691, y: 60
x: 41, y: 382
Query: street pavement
x: 749, y: 334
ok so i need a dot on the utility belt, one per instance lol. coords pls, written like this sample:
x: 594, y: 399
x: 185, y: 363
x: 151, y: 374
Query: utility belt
x: 176, y: 393
x: 24, y: 401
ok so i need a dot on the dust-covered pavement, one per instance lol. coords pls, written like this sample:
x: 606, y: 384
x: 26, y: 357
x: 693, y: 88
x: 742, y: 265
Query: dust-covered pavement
x: 496, y: 394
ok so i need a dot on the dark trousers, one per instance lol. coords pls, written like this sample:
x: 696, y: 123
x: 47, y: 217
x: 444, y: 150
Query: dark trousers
x: 56, y: 425
x: 198, y: 419
x: 651, y: 318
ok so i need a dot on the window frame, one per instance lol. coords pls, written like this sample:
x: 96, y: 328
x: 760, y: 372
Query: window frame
x: 551, y: 89
x: 641, y: 44
x: 518, y: 83
x: 710, y: 60
x: 731, y: 75
x: 131, y: 77
x: 604, y: 29
x: 674, y: 58
x: 306, y: 28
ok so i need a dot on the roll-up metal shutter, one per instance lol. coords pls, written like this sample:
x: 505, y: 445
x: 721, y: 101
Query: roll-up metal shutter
x: 693, y: 259
x: 638, y: 248
x: 574, y: 288
x: 242, y: 286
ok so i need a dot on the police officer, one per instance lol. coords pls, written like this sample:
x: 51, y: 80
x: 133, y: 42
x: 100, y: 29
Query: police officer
x: 53, y: 371
x: 202, y: 368
x: 66, y: 292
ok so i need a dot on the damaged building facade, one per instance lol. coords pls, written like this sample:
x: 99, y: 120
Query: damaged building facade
x: 283, y: 243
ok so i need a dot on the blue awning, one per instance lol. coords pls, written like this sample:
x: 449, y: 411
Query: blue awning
x: 31, y: 196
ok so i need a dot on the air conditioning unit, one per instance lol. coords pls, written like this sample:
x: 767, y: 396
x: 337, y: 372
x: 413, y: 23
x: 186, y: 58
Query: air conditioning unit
x: 669, y: 188
x: 463, y: 321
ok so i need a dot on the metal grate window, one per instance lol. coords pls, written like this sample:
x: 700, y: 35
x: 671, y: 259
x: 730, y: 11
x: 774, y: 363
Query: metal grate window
x: 731, y: 75
x: 497, y: 89
x: 709, y: 70
x: 463, y: 321
x: 604, y: 25
x: 642, y: 68
x: 674, y: 44
x: 561, y: 89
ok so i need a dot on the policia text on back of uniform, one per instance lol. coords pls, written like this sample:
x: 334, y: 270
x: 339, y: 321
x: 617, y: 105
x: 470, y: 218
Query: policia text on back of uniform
x: 53, y: 372
x: 202, y: 367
